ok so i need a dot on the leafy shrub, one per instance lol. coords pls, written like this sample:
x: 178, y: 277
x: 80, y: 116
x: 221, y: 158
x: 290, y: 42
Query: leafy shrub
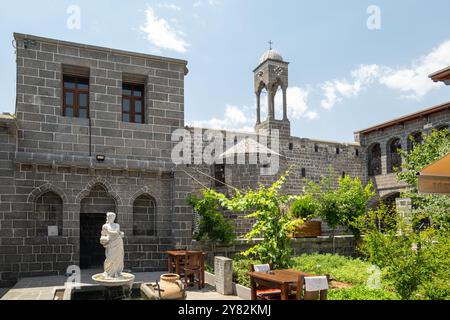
x: 414, y: 263
x: 213, y: 226
x: 304, y: 207
x: 241, y: 267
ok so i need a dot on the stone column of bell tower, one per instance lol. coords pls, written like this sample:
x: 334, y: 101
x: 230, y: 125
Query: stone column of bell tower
x: 271, y: 75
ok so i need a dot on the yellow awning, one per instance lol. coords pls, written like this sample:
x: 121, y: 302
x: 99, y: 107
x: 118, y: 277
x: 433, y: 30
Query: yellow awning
x: 435, y: 178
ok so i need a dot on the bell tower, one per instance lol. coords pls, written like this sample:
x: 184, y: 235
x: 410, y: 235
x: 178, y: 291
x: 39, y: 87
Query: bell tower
x: 272, y: 75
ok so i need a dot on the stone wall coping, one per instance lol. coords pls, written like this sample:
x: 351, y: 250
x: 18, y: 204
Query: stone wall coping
x: 22, y: 36
x: 254, y: 134
x: 353, y: 144
x: 244, y: 241
x: 8, y: 120
x: 90, y: 162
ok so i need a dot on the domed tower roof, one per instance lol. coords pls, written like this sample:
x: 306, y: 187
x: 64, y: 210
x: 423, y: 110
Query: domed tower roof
x: 272, y: 55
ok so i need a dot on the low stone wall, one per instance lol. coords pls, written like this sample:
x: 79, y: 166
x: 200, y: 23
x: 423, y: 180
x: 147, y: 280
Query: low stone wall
x: 342, y: 244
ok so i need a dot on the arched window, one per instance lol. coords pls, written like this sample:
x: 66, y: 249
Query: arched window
x: 442, y: 127
x: 375, y: 160
x: 414, y: 139
x: 49, y: 214
x: 144, y: 216
x: 394, y: 158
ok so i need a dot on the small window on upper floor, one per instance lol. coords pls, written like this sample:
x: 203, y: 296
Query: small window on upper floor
x: 316, y: 148
x: 357, y: 152
x: 303, y: 173
x: 219, y: 175
x: 133, y: 109
x: 338, y: 150
x: 76, y: 97
x: 291, y: 146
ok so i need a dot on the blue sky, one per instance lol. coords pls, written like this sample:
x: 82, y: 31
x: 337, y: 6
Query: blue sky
x: 343, y: 76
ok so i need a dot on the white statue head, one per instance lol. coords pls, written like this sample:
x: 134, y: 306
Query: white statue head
x: 110, y: 217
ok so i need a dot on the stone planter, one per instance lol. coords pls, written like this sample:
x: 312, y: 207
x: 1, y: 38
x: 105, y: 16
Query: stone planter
x: 309, y: 229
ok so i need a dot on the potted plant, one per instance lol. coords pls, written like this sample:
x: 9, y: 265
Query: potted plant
x: 304, y: 207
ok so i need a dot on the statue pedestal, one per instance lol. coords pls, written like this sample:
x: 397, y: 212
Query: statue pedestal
x: 123, y: 280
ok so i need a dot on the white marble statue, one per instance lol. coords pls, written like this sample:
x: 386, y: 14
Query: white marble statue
x: 111, y: 239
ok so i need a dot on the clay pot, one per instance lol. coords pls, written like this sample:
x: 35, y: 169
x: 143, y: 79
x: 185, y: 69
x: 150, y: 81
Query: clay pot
x: 172, y: 286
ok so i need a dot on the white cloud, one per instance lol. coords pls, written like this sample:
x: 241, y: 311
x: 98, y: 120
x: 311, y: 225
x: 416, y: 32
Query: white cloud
x: 312, y: 115
x: 413, y: 82
x: 169, y: 6
x: 297, y: 102
x: 161, y: 34
x: 244, y: 118
x: 336, y: 90
x: 200, y: 3
x: 234, y: 118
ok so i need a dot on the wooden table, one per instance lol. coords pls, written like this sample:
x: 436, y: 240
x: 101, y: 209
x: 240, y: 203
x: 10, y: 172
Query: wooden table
x: 280, y: 279
x: 176, y: 257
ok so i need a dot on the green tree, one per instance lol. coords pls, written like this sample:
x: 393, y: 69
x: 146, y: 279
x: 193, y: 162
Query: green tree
x: 412, y: 262
x: 342, y: 205
x: 433, y: 147
x: 425, y: 206
x: 273, y: 222
x: 213, y: 225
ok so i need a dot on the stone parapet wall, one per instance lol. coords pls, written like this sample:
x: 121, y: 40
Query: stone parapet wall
x: 343, y: 245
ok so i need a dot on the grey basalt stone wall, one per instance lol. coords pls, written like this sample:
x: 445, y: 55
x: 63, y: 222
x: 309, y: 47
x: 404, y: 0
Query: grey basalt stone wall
x: 315, y: 156
x: 42, y: 128
x: 386, y: 183
x: 46, y: 152
x: 10, y: 239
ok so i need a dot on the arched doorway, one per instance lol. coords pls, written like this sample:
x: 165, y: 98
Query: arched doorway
x: 413, y: 140
x: 394, y: 159
x: 374, y: 163
x: 93, y: 210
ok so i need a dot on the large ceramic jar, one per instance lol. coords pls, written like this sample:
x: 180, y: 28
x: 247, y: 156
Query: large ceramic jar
x: 171, y: 287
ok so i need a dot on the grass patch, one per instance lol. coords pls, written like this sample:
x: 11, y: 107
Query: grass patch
x: 340, y: 268
x: 361, y: 292
x: 353, y: 272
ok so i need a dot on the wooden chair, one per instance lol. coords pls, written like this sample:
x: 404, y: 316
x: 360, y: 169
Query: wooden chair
x: 194, y: 268
x: 301, y: 293
x: 263, y: 292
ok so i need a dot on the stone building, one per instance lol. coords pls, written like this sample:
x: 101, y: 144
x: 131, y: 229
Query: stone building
x: 92, y: 133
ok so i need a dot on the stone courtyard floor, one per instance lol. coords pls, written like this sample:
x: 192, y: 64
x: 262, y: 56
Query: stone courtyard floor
x: 43, y: 288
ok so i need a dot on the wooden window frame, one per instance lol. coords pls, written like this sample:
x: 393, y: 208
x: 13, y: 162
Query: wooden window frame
x: 75, y: 91
x: 132, y: 109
